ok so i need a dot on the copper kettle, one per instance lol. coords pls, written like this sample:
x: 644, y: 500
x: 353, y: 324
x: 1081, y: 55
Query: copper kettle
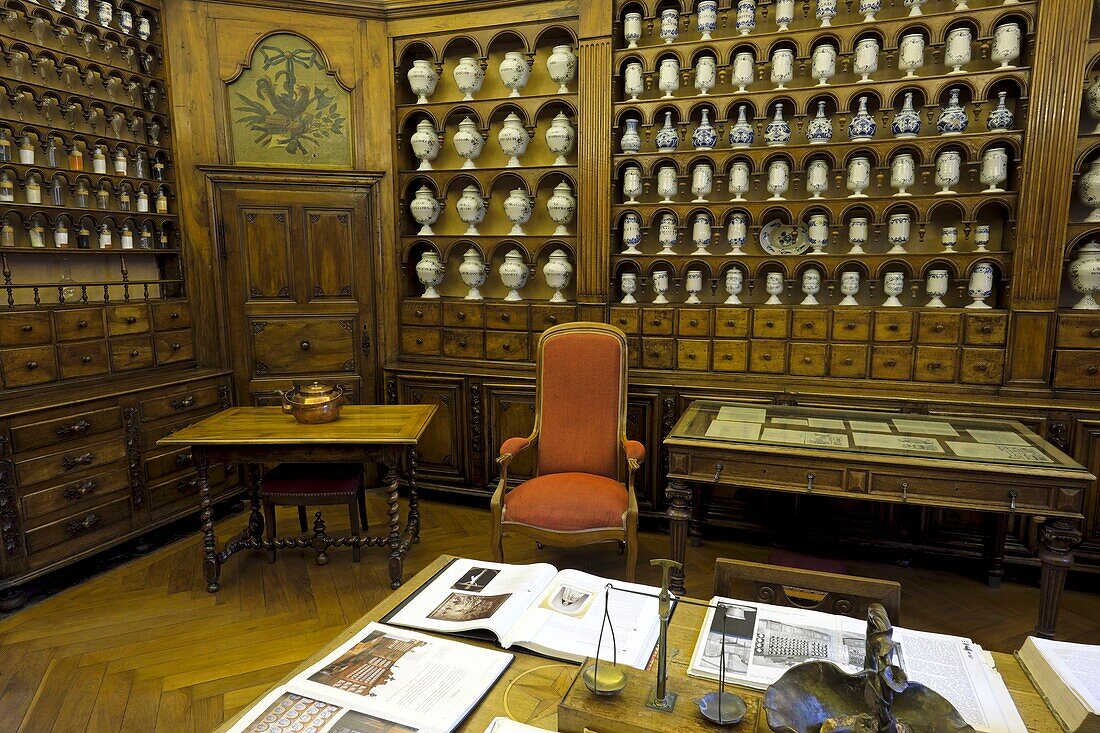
x: 313, y: 403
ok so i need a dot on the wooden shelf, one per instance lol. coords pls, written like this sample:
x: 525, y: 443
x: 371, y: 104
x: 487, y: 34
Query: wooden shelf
x: 66, y: 133
x: 72, y: 250
x: 30, y: 209
x: 90, y: 24
x: 125, y: 106
x: 485, y: 176
x: 484, y: 108
x: 830, y: 262
x: 48, y: 173
x: 73, y: 50
x: 970, y: 201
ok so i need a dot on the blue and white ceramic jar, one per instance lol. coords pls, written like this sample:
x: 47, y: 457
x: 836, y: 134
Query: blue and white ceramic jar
x: 906, y: 122
x: 953, y: 118
x: 819, y: 130
x: 632, y: 29
x: 863, y: 126
x: 746, y: 16
x: 630, y: 141
x: 778, y: 131
x: 980, y: 286
x: 670, y: 24
x: 741, y: 133
x: 104, y: 12
x: 706, y: 18
x: 868, y: 8
x: 704, y: 137
x: 632, y: 233
x: 826, y: 11
x: 666, y: 138
x: 1001, y: 117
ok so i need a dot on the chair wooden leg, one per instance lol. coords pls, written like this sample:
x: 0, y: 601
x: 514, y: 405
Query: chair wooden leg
x: 269, y: 526
x: 496, y: 541
x: 353, y: 517
x: 631, y: 547
x: 302, y: 519
x: 362, y: 497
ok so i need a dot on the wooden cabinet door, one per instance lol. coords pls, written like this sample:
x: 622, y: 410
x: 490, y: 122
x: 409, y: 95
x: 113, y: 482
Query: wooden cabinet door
x: 298, y: 268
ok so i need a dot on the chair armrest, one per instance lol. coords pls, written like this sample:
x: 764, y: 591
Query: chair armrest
x: 511, y: 447
x: 634, y: 450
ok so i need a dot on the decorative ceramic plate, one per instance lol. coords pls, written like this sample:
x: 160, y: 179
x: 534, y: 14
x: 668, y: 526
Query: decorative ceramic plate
x: 777, y: 238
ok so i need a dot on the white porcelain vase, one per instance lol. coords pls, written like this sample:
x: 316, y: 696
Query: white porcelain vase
x: 739, y: 180
x: 561, y: 207
x: 670, y: 24
x: 425, y: 144
x: 893, y: 285
x: 513, y: 274
x: 706, y: 74
x: 628, y: 285
x: 468, y: 76
x: 560, y: 138
x: 774, y: 286
x: 866, y: 58
x: 1088, y: 189
x: 744, y: 69
x: 429, y: 271
x: 701, y: 233
x: 514, y: 72
x: 633, y: 80
x: 859, y: 176
x: 994, y: 170
x: 858, y: 229
x: 702, y: 182
x: 473, y: 273
x: 631, y: 235
x: 517, y: 207
x: 817, y: 177
x: 513, y: 139
x: 849, y: 287
x: 980, y: 287
x: 737, y: 233
x: 425, y: 208
x: 782, y: 67
x: 706, y: 18
x: 422, y: 80
x: 817, y: 231
x: 561, y: 65
x: 1007, y: 43
x: 668, y: 233
x: 735, y: 283
x: 779, y: 179
x: 468, y: 142
x: 948, y: 171
x: 471, y: 209
x: 693, y: 285
x: 632, y: 184
x: 632, y: 29
x: 668, y: 77
x: 659, y: 280
x: 667, y: 183
x: 911, y: 53
x: 957, y: 49
x: 949, y: 237
x: 897, y: 232
x: 903, y: 173
x: 935, y: 286
x: 811, y: 286
x: 557, y: 272
x: 823, y: 63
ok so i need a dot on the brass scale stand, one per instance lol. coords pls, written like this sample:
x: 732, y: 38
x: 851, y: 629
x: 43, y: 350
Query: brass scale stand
x: 721, y: 707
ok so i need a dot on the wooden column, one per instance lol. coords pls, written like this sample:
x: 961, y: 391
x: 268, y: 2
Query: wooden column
x: 594, y: 153
x: 1054, y: 107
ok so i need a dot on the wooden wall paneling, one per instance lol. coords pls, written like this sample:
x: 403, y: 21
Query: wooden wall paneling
x: 511, y: 414
x: 441, y: 451
x: 594, y: 162
x: 1086, y: 449
x: 1053, y: 110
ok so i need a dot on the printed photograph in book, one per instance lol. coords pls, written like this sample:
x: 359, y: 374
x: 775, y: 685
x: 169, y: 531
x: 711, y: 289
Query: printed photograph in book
x: 293, y: 713
x: 466, y: 607
x: 739, y: 625
x: 476, y: 580
x: 568, y: 600
x: 781, y: 646
x: 356, y: 722
x: 367, y: 665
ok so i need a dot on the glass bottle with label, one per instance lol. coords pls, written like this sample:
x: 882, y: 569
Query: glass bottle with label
x: 145, y: 238
x: 26, y: 151
x: 38, y: 234
x: 83, y: 238
x: 61, y: 235
x: 7, y: 235
x: 76, y: 158
x: 162, y: 202
x: 103, y: 198
x: 105, y: 239
x: 33, y: 190
x: 7, y: 189
x: 99, y: 160
x: 5, y: 147
x: 57, y: 192
x: 53, y: 153
x: 80, y: 199
x: 124, y: 199
x: 121, y: 162
x: 142, y: 200
x: 162, y: 241
x: 126, y: 237
x: 158, y: 170
x: 140, y: 165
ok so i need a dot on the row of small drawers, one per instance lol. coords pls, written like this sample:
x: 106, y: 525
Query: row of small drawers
x: 40, y: 327
x: 817, y: 324
x: 28, y: 366
x: 1077, y: 356
x: 845, y: 360
x: 472, y: 314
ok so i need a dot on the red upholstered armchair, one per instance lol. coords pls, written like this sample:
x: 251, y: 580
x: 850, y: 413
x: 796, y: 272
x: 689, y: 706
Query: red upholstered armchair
x: 584, y: 488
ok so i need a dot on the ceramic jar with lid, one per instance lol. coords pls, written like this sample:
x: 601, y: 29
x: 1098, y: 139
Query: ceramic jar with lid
x: 1088, y: 189
x: 472, y: 271
x: 468, y: 142
x: 425, y: 209
x: 468, y: 76
x: 1084, y: 275
x: 513, y: 139
x: 471, y: 209
x: 514, y: 72
x: 561, y: 65
x: 513, y: 274
x: 561, y: 207
x: 557, y: 272
x: 422, y: 80
x: 517, y: 207
x: 429, y: 271
x: 425, y: 144
x: 560, y: 138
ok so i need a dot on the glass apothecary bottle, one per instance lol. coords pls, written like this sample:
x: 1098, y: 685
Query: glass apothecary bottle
x: 67, y: 287
x: 83, y: 238
x: 61, y: 235
x: 80, y: 198
x: 5, y: 147
x: 7, y: 235
x: 103, y: 198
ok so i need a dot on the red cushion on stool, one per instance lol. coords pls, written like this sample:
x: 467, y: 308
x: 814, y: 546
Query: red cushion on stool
x: 313, y: 478
x: 567, y: 502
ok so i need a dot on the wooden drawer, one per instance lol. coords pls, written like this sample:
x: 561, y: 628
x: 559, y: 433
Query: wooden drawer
x: 305, y: 345
x: 986, y: 328
x: 467, y: 314
x: 848, y: 361
x: 995, y: 496
x: 173, y: 346
x: 83, y: 529
x: 808, y: 360
x: 657, y: 321
x: 693, y: 354
x: 166, y: 463
x: 421, y: 312
x: 506, y: 317
x: 75, y: 324
x: 658, y: 353
x: 65, y: 430
x: 506, y: 345
x: 982, y: 366
x: 771, y: 323
x: 25, y: 328
x: 763, y: 473
x: 850, y: 324
x: 935, y: 363
x: 1076, y: 369
x: 891, y: 362
x: 893, y: 325
x: 181, y: 493
x: 938, y: 327
x: 75, y: 496
x: 150, y: 435
x: 69, y: 463
x: 768, y: 357
x: 1078, y: 331
x: 171, y: 315
x: 625, y: 319
x: 29, y: 366
x: 694, y: 322
x: 463, y: 343
x: 731, y: 356
x: 812, y: 325
x: 124, y: 320
x: 731, y: 322
x: 131, y: 352
x: 419, y: 340
x: 201, y: 397
x: 83, y: 359
x: 545, y: 316
x: 634, y: 352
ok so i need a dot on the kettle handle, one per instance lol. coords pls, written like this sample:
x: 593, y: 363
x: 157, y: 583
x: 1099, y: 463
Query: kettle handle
x: 288, y: 408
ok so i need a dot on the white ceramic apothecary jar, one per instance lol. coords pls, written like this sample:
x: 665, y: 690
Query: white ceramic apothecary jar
x: 628, y: 284
x: 693, y: 285
x: 1088, y: 188
x: 557, y: 272
x: 471, y: 209
x: 659, y: 280
x: 422, y: 80
x: 849, y: 287
x: 935, y: 286
x: 425, y: 144
x: 735, y: 283
x: 1084, y: 275
x: 893, y: 285
x: 468, y: 142
x: 425, y: 208
x: 632, y: 29
x: 561, y: 207
x: 560, y: 138
x: 980, y: 286
x: 429, y: 271
x: 513, y: 139
x: 811, y: 286
x: 561, y: 65
x: 517, y: 207
x: 513, y: 275
x: 773, y: 286
x: 473, y: 272
x: 468, y: 76
x: 514, y: 72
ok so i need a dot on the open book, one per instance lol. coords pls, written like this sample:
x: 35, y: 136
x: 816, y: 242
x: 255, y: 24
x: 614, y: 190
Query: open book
x: 557, y: 614
x: 1068, y: 677
x: 382, y: 680
x: 763, y: 641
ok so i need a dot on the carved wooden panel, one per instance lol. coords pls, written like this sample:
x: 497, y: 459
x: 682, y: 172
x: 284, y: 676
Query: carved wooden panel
x: 306, y: 346
x: 511, y: 415
x: 441, y: 447
x: 266, y: 250
x: 329, y: 242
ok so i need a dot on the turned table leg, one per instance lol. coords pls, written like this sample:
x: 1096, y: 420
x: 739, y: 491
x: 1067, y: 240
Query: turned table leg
x: 414, y: 498
x: 996, y: 530
x: 211, y: 567
x: 255, y: 516
x: 391, y: 461
x: 1057, y: 537
x: 679, y: 516
x: 695, y: 526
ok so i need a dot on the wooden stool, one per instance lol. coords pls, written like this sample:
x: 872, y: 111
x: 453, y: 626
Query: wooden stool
x: 312, y: 484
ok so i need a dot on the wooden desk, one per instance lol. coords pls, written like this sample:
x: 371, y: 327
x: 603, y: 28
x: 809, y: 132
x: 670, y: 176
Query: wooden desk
x: 385, y: 434
x: 942, y: 462
x: 531, y: 688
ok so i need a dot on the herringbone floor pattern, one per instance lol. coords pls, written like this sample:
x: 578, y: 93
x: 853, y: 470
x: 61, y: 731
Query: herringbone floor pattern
x: 144, y: 647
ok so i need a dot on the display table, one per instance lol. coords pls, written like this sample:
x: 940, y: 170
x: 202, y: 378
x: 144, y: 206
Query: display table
x: 385, y: 434
x: 531, y: 689
x: 994, y: 466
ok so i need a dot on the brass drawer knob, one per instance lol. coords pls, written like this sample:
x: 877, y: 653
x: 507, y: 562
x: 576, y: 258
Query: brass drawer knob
x: 462, y: 344
x: 81, y: 324
x: 892, y: 327
x: 934, y: 365
x: 131, y: 320
x: 848, y: 362
x: 418, y: 313
x: 177, y: 346
x: 891, y: 362
x: 86, y: 359
x: 770, y: 324
x: 938, y: 328
x: 691, y: 355
x: 656, y: 321
x: 850, y: 326
x: 622, y: 321
x: 134, y: 353
x: 174, y: 315
x: 1091, y: 370
x: 506, y: 346
x: 655, y: 354
x: 981, y: 366
x: 694, y: 322
x: 727, y: 357
x: 27, y: 328
x: 505, y: 317
x: 32, y: 365
x: 729, y: 323
x: 552, y: 319
x: 1095, y: 333
x: 419, y: 342
x: 807, y: 360
x: 766, y: 357
x: 987, y: 328
x: 304, y: 346
x: 808, y: 326
x: 461, y: 315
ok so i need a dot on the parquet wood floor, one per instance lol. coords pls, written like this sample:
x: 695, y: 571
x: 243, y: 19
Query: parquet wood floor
x: 144, y: 647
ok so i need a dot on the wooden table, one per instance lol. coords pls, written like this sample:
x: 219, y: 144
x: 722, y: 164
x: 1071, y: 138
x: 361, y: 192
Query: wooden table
x: 931, y: 461
x: 532, y: 686
x: 385, y: 434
